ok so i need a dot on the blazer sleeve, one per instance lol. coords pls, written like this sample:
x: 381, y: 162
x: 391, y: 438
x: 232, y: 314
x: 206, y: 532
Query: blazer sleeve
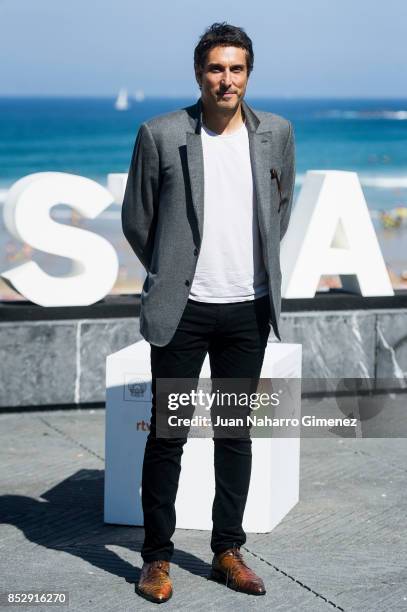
x: 140, y: 203
x: 287, y: 181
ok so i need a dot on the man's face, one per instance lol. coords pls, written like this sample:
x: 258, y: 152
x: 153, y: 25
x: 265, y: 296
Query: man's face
x: 223, y: 79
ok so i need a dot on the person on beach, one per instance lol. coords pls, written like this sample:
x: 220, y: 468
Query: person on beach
x: 208, y: 200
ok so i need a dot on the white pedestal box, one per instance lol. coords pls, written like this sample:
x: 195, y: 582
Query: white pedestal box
x: 274, y: 485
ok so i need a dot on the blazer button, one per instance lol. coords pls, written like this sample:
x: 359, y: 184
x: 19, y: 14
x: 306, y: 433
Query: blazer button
x: 187, y: 283
x: 195, y: 252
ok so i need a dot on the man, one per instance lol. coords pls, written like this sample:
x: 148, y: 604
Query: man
x: 207, y: 201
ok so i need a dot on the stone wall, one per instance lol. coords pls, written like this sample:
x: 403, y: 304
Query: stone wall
x: 62, y: 361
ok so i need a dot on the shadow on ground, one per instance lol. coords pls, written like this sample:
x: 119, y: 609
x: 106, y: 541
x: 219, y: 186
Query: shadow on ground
x: 70, y: 519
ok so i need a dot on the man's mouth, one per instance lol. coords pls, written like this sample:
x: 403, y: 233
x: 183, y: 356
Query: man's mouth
x: 226, y: 94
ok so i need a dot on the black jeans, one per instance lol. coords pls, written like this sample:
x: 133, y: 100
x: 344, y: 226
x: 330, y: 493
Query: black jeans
x: 235, y: 336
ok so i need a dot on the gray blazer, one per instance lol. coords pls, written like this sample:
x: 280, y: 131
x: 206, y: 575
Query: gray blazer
x: 163, y: 208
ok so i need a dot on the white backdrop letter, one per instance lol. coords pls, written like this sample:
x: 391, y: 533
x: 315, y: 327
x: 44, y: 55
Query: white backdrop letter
x: 27, y: 217
x: 331, y: 232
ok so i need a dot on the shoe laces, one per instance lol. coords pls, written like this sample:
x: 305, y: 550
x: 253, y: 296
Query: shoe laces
x: 236, y: 553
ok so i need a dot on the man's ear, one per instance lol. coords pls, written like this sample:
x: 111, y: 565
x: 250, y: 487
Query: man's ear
x: 198, y: 76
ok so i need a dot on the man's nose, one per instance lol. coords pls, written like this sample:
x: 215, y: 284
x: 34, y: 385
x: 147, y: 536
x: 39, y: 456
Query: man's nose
x: 227, y: 78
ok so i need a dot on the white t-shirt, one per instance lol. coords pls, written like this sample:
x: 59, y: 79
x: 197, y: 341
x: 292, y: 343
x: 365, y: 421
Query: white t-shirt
x: 230, y: 265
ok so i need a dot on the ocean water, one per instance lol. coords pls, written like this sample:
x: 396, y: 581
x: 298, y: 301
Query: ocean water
x: 89, y: 137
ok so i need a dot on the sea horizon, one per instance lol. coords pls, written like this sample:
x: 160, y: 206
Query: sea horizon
x: 112, y: 96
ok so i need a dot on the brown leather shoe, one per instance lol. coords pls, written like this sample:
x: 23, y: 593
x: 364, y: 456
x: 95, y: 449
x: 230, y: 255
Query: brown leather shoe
x: 155, y: 582
x: 229, y: 568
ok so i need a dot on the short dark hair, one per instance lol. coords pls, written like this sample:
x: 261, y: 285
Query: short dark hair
x: 223, y: 35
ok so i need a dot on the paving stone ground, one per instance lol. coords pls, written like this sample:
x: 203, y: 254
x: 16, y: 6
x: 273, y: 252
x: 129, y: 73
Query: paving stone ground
x: 343, y: 547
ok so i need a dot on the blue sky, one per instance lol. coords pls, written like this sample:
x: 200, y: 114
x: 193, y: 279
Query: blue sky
x: 328, y: 48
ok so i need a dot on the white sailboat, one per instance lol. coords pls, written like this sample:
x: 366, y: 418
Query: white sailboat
x: 122, y: 100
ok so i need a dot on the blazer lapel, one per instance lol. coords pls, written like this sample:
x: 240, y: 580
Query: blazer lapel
x: 262, y: 160
x: 196, y: 176
x: 196, y: 163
